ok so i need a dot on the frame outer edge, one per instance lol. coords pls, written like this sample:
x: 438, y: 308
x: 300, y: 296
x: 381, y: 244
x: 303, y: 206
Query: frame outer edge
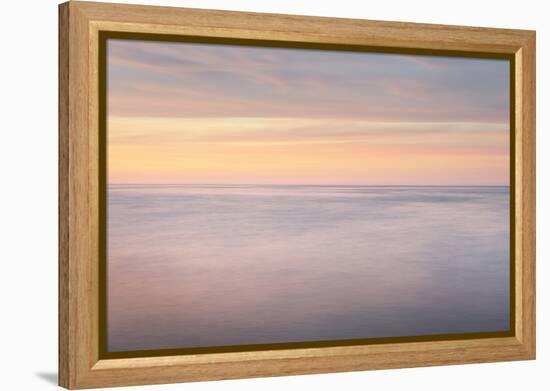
x: 64, y: 367
x: 82, y: 255
x: 528, y: 188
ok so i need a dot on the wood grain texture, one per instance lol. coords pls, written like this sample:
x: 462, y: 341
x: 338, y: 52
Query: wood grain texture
x: 80, y: 23
x: 527, y: 187
x: 77, y: 259
x: 63, y: 200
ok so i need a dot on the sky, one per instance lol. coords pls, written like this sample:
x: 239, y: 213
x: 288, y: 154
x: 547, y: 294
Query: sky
x: 221, y: 114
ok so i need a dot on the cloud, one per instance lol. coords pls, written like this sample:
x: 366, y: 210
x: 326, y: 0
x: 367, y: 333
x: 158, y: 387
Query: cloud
x: 143, y: 130
x: 305, y: 150
x: 181, y: 80
x: 180, y: 112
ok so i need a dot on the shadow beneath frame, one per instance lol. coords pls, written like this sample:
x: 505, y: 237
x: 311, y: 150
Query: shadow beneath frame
x: 49, y: 377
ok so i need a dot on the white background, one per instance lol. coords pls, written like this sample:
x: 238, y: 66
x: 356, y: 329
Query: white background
x: 28, y: 215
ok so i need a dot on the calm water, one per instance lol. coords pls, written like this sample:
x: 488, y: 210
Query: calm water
x: 196, y: 265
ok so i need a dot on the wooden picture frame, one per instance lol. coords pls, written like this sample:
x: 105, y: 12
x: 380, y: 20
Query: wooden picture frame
x: 81, y: 24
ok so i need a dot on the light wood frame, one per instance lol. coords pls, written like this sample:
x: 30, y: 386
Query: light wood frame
x: 79, y: 25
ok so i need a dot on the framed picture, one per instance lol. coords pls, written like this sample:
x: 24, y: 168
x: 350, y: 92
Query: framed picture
x: 247, y: 195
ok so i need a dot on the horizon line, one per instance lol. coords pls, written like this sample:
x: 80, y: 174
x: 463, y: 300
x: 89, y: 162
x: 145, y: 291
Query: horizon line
x: 294, y: 184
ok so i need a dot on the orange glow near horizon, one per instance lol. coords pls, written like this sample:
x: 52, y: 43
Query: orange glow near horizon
x: 157, y: 152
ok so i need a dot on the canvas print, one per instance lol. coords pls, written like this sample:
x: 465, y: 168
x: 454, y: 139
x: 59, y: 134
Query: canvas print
x: 270, y: 195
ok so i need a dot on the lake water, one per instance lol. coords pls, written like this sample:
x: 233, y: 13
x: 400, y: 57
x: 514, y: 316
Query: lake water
x: 211, y: 265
